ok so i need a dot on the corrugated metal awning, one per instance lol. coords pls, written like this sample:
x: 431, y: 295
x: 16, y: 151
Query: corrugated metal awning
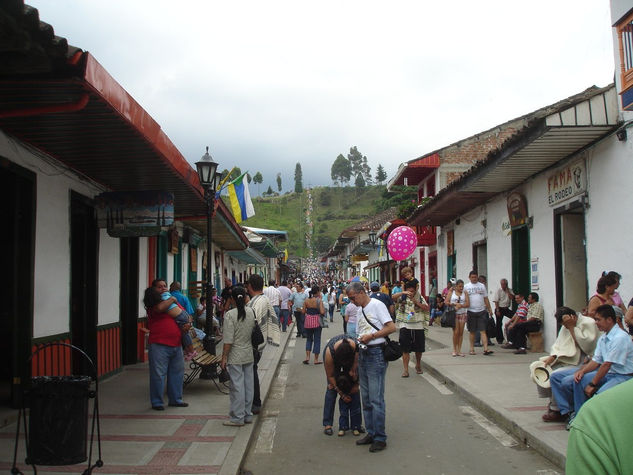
x: 540, y: 146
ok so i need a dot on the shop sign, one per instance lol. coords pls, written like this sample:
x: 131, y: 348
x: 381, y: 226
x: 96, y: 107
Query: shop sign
x: 517, y: 209
x: 566, y: 182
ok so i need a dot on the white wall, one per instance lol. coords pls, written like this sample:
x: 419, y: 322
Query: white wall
x: 52, y: 230
x: 109, y: 279
x: 609, y: 227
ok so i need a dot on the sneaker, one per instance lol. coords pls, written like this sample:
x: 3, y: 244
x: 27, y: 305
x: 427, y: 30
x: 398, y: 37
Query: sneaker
x: 507, y: 346
x: 570, y: 420
x: 377, y: 446
x: 520, y: 351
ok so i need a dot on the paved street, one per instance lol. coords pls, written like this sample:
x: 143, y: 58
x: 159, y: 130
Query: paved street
x: 427, y: 425
x: 464, y: 415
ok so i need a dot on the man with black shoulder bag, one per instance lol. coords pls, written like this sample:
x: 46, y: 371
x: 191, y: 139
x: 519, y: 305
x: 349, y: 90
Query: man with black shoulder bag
x: 373, y: 324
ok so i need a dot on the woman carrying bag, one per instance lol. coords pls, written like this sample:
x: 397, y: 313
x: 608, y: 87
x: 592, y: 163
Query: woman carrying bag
x: 238, y: 359
x: 313, y: 306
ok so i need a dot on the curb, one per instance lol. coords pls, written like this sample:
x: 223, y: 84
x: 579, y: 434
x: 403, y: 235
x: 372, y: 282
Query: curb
x: 499, y: 417
x: 239, y: 447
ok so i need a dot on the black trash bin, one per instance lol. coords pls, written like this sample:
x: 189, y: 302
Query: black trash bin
x: 58, y: 420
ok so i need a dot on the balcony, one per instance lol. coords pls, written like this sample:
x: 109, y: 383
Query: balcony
x: 426, y: 235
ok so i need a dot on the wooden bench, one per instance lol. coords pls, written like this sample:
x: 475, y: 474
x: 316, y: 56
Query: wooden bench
x: 535, y: 340
x: 203, y: 361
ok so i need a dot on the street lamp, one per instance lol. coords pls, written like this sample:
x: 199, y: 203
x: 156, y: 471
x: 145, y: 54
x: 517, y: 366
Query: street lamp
x: 209, y: 180
x: 372, y: 237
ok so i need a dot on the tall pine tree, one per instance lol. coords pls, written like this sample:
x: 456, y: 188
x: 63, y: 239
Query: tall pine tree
x: 298, y: 179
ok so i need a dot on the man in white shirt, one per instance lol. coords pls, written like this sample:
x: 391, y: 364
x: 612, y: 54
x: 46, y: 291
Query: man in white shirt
x: 284, y: 310
x: 477, y: 312
x: 273, y: 296
x: 372, y: 366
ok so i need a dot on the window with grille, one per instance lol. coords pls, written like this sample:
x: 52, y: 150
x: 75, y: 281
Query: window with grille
x: 625, y: 38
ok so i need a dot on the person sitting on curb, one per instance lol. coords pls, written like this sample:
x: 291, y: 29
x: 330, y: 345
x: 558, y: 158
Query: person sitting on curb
x: 576, y: 340
x: 611, y: 364
x: 532, y: 323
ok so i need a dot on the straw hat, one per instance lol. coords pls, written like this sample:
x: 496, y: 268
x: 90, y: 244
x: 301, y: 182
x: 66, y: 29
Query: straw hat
x: 540, y: 373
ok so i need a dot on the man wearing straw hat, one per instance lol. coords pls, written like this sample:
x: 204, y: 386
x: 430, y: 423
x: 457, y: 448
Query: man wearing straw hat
x: 576, y: 340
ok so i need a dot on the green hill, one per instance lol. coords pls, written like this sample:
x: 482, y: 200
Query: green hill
x: 333, y: 210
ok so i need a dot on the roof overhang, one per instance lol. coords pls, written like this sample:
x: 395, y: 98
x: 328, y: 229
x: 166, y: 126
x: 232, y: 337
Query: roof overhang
x: 540, y: 146
x: 415, y: 171
x: 225, y: 232
x: 248, y: 256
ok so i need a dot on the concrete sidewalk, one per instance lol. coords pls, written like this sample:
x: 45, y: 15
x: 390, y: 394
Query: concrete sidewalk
x: 138, y: 440
x: 498, y: 385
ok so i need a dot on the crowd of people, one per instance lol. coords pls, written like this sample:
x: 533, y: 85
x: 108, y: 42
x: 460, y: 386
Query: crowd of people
x: 593, y: 351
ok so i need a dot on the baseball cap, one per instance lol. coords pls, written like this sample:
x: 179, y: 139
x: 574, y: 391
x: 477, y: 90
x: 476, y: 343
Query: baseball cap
x: 374, y: 285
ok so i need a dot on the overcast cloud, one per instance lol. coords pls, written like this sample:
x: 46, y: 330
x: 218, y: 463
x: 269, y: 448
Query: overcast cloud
x: 270, y: 84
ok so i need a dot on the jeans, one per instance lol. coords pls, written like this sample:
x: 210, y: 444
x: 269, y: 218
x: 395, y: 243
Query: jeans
x: 314, y: 336
x: 299, y: 318
x: 257, y: 402
x: 500, y: 313
x: 283, y: 318
x: 351, y: 330
x: 241, y: 393
x: 331, y: 310
x: 165, y: 363
x: 372, y: 368
x: 350, y: 413
x: 570, y: 396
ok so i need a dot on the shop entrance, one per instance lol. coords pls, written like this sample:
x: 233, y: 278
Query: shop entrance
x: 17, y: 193
x: 521, y: 260
x: 570, y: 257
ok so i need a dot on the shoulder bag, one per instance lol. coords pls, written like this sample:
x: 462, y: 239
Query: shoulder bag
x: 391, y: 350
x: 257, y: 337
x: 448, y: 317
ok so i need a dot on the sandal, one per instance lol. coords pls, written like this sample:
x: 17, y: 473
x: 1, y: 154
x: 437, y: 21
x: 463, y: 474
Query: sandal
x: 328, y: 431
x: 472, y: 353
x: 454, y: 354
x: 341, y: 433
x: 318, y: 362
x: 488, y: 352
x: 306, y: 361
x: 418, y: 370
x: 461, y: 354
x: 405, y: 375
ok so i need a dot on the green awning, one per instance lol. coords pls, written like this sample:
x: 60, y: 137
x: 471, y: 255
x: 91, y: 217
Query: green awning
x: 248, y: 256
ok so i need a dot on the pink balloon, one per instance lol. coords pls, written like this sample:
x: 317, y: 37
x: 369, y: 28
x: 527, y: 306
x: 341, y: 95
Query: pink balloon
x: 401, y: 242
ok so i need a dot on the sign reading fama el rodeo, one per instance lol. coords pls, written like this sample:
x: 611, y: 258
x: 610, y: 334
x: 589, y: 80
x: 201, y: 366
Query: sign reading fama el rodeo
x: 566, y: 183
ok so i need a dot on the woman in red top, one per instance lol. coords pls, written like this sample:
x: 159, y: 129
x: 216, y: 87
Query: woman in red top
x: 166, y: 362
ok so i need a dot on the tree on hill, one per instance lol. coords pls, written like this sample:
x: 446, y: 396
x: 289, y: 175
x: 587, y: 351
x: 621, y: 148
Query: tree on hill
x: 258, y: 179
x: 341, y: 170
x: 279, y: 182
x: 381, y: 175
x: 298, y: 179
x: 235, y: 173
x: 355, y: 160
x: 366, y: 171
x: 360, y: 181
x: 269, y: 191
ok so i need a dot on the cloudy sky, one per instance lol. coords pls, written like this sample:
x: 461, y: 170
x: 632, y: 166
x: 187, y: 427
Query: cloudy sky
x: 269, y: 84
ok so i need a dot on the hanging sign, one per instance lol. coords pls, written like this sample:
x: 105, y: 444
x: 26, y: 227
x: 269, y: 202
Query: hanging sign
x: 135, y: 213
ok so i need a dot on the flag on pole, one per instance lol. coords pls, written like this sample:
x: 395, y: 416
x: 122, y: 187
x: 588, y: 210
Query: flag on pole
x: 286, y: 255
x: 240, y: 198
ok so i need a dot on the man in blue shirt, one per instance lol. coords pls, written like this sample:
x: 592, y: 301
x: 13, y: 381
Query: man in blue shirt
x: 383, y: 297
x: 176, y: 291
x: 297, y: 300
x: 611, y: 364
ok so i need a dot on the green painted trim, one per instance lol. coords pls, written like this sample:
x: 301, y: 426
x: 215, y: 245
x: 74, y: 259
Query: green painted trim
x: 231, y: 230
x: 161, y: 256
x: 178, y: 263
x: 50, y: 338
